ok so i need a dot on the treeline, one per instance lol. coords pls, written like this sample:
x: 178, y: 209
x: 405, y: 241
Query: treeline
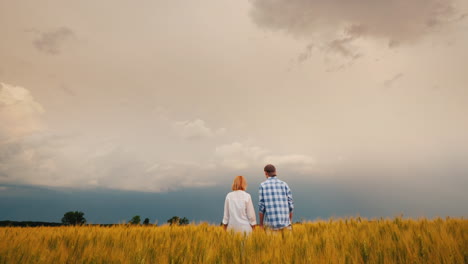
x: 8, y: 223
x: 77, y: 218
x: 28, y: 223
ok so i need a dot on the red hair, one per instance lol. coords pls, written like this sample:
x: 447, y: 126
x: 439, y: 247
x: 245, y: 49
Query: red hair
x: 239, y: 183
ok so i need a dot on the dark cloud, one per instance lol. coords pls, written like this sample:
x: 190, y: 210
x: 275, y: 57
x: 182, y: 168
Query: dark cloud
x: 395, y: 20
x: 461, y: 17
x: 342, y: 47
x: 393, y: 43
x: 305, y: 55
x: 67, y: 90
x: 389, y: 83
x: 51, y: 42
x: 335, y: 25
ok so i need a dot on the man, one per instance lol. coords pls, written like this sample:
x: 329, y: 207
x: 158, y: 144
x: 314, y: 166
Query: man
x: 275, y: 201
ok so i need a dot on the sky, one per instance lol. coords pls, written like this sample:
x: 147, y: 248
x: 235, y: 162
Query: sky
x: 361, y: 105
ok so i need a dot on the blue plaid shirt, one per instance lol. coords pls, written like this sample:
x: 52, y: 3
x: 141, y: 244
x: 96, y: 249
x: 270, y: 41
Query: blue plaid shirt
x: 275, y: 202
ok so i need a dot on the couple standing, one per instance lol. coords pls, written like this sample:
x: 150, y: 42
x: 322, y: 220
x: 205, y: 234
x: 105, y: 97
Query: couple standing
x: 275, y: 204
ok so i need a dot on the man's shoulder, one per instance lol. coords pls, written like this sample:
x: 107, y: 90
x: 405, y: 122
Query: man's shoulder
x: 283, y: 183
x: 273, y: 181
x: 267, y: 182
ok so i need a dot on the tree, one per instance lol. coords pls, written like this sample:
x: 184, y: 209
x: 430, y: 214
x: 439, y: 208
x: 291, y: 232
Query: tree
x: 175, y: 220
x: 74, y: 218
x: 135, y: 220
x: 146, y: 222
x: 184, y: 221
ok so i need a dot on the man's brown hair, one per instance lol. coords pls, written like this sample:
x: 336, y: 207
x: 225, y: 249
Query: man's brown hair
x: 270, y: 169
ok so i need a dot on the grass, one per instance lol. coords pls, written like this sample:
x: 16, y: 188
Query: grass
x: 352, y: 240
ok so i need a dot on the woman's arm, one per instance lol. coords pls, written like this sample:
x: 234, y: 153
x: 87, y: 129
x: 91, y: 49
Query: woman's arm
x: 251, y: 212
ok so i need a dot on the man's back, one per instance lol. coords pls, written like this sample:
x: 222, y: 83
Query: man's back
x: 275, y: 202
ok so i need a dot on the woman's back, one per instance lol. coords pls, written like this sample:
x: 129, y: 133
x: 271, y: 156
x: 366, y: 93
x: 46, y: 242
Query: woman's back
x: 239, y: 213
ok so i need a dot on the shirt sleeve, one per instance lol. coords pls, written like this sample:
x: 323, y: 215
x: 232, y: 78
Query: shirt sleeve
x: 226, y: 212
x: 251, y: 212
x: 261, y: 200
x: 290, y: 199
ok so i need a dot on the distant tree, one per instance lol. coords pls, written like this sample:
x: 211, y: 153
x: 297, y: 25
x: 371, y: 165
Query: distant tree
x: 135, y: 220
x: 73, y: 218
x: 184, y: 221
x: 175, y: 220
x: 146, y: 222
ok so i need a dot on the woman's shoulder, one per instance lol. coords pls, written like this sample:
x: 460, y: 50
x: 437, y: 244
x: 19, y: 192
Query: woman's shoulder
x: 230, y: 194
x: 238, y: 194
x: 246, y: 194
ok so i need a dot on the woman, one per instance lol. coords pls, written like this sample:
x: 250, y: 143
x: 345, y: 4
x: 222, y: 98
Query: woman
x: 239, y: 214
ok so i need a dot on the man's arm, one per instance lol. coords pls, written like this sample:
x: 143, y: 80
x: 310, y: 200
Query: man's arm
x: 261, y: 205
x: 290, y: 203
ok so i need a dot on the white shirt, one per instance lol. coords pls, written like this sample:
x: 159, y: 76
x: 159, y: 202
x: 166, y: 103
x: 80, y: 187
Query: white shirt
x: 239, y: 213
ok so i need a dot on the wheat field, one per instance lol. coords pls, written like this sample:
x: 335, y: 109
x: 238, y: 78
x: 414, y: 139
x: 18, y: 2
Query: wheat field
x: 351, y: 240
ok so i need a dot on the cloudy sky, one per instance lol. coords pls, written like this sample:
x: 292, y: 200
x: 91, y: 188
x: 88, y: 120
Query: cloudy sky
x: 368, y: 98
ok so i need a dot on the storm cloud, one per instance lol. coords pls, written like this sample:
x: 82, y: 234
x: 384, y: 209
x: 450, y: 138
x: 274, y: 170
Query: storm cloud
x: 394, y: 20
x: 51, y: 42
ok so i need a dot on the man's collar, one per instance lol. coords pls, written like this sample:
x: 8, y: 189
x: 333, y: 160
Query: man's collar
x: 271, y: 177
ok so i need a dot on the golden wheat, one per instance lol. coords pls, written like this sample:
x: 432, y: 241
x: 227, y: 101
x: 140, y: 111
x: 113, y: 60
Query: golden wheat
x: 353, y: 240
